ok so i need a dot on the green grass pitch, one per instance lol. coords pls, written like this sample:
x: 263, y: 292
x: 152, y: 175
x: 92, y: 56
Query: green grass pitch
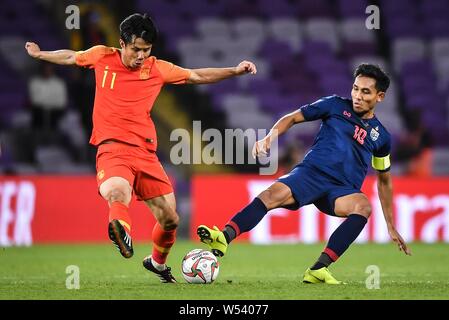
x: 247, y: 272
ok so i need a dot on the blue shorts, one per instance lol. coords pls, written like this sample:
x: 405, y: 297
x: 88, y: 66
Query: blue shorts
x: 309, y: 185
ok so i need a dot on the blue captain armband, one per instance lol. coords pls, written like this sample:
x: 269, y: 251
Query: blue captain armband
x: 381, y: 163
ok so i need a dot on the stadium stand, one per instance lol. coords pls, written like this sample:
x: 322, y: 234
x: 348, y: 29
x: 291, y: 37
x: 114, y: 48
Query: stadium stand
x: 303, y: 49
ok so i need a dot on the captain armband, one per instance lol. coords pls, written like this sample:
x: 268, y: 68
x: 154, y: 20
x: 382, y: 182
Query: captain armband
x: 381, y: 163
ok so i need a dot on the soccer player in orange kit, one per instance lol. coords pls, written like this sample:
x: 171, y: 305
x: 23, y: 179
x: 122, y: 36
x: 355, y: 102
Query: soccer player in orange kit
x: 128, y: 81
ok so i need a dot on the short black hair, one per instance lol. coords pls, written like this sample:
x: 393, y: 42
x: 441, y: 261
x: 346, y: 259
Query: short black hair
x: 375, y: 72
x: 138, y: 26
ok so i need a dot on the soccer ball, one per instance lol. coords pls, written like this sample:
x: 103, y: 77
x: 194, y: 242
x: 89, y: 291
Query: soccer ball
x: 200, y: 266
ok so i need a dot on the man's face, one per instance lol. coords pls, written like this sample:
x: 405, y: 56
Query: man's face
x: 365, y: 95
x: 135, y: 53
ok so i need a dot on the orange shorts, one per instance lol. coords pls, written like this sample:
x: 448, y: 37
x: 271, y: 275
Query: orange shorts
x: 139, y: 166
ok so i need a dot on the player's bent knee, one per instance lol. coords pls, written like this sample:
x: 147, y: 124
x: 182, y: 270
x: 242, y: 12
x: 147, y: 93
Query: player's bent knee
x: 170, y: 223
x: 276, y: 196
x: 268, y: 200
x: 117, y: 194
x: 272, y: 199
x: 363, y: 209
x: 168, y: 219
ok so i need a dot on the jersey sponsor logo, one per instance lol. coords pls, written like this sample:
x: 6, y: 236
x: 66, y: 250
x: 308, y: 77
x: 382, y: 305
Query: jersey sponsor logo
x: 346, y: 113
x: 374, y: 134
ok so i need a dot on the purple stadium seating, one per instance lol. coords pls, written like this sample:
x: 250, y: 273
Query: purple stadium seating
x: 282, y: 8
x: 352, y: 9
x: 315, y: 8
x: 294, y: 77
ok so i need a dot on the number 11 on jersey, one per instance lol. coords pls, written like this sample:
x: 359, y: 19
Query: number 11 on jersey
x: 105, y: 73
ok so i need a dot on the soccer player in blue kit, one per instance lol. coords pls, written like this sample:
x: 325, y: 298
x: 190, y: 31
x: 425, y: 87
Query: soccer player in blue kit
x: 331, y: 174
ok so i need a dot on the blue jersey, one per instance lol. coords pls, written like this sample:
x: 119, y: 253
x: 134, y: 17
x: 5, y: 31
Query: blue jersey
x: 346, y: 144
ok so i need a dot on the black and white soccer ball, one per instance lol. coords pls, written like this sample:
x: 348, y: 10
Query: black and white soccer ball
x: 200, y: 266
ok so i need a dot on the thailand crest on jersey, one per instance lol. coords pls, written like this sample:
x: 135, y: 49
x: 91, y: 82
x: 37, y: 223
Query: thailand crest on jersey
x: 374, y: 134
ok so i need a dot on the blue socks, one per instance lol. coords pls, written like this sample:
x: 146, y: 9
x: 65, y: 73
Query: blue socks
x: 344, y: 235
x: 338, y: 243
x: 245, y: 220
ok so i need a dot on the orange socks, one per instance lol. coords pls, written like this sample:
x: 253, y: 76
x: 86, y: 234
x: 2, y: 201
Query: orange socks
x: 162, y: 242
x: 119, y: 211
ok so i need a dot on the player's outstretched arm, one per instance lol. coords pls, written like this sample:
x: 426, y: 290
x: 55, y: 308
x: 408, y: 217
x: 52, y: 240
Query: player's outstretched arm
x: 211, y: 75
x: 65, y: 57
x: 385, y: 189
x: 262, y: 147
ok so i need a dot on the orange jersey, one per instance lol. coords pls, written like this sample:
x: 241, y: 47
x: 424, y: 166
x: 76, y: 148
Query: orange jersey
x: 124, y: 98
